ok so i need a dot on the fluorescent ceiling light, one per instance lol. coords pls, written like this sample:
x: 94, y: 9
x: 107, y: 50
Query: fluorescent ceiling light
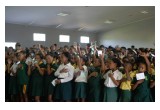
x: 62, y: 14
x: 59, y: 25
x: 80, y: 28
x: 108, y: 22
x: 144, y: 12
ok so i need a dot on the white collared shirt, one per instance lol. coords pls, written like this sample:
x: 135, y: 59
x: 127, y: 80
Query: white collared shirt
x: 14, y: 67
x: 68, y: 76
x: 83, y: 74
x: 108, y: 81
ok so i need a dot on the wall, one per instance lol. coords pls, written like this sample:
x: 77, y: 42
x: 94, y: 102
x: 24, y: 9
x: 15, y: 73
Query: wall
x: 140, y: 34
x: 24, y: 34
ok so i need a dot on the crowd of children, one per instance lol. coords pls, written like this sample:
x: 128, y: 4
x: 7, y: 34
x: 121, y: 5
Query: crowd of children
x: 91, y: 74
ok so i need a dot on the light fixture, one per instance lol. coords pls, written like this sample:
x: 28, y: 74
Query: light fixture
x: 58, y: 25
x: 144, y: 12
x: 62, y: 14
x: 80, y: 28
x: 108, y: 22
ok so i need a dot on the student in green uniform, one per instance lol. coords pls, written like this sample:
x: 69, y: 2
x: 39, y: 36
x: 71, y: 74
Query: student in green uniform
x: 13, y: 80
x: 22, y: 76
x: 49, y: 77
x: 37, y: 78
x: 81, y: 75
x: 112, y: 81
x: 64, y: 75
x: 125, y: 86
x: 141, y: 90
x: 94, y: 81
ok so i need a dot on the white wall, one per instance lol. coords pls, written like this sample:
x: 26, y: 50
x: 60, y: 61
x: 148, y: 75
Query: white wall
x: 140, y: 34
x: 24, y: 34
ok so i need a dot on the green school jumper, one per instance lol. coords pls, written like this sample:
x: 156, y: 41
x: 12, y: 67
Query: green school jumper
x: 94, y: 85
x: 142, y: 92
x: 13, y: 85
x: 37, y: 81
x: 22, y: 78
x: 48, y: 87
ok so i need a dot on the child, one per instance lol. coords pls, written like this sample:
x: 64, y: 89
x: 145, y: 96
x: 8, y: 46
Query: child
x: 112, y: 81
x: 13, y: 80
x: 22, y: 76
x: 140, y: 87
x: 94, y: 81
x: 37, y: 78
x: 81, y: 79
x: 50, y: 68
x: 125, y: 85
x: 65, y: 74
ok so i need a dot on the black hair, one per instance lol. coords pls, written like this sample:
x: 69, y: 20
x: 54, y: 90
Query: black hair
x: 101, y: 46
x: 117, y: 61
x: 68, y: 55
x: 40, y: 55
x: 85, y: 59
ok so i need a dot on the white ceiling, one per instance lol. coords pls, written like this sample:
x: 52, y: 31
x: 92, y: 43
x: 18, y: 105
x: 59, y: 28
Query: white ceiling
x: 91, y: 18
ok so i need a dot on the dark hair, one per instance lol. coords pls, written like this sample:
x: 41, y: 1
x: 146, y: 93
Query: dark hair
x: 40, y: 55
x: 68, y: 55
x: 117, y: 61
x: 85, y: 59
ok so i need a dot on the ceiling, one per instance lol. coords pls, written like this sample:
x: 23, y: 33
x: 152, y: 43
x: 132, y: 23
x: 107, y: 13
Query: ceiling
x: 81, y: 18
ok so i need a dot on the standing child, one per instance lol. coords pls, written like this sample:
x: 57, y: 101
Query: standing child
x: 37, y: 78
x: 140, y: 87
x: 22, y: 76
x: 81, y: 74
x: 125, y: 85
x: 65, y: 74
x: 50, y: 68
x: 112, y: 81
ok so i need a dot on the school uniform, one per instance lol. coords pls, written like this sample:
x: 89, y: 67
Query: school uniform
x: 37, y: 81
x: 63, y: 90
x: 13, y: 80
x: 153, y: 79
x: 125, y: 87
x: 81, y: 83
x: 142, y: 92
x: 94, y: 85
x: 111, y: 90
x: 49, y: 89
x: 22, y: 78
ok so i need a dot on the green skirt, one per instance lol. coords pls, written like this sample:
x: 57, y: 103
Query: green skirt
x: 12, y: 85
x: 63, y: 91
x: 80, y: 90
x: 110, y: 94
x: 125, y: 96
x: 94, y: 94
x: 37, y: 86
x: 49, y: 89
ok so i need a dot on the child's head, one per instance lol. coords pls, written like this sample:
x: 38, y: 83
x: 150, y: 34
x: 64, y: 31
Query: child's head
x: 97, y: 62
x: 114, y: 63
x: 142, y: 67
x: 21, y: 55
x: 65, y: 57
x: 83, y: 60
x: 49, y: 58
x: 38, y: 57
x: 128, y: 66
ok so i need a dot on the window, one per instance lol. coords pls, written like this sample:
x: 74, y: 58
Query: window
x: 39, y: 37
x: 84, y: 39
x: 64, y: 38
x: 10, y: 44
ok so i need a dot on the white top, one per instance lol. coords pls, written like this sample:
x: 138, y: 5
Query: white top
x: 83, y: 74
x: 108, y: 81
x: 68, y: 76
x: 14, y: 67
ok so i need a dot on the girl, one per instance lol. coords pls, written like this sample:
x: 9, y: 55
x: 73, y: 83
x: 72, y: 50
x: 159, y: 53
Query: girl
x: 13, y: 80
x: 37, y: 78
x: 140, y: 87
x: 112, y: 81
x: 125, y: 85
x: 22, y: 76
x: 50, y: 68
x: 94, y: 82
x: 65, y: 74
x: 81, y: 79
